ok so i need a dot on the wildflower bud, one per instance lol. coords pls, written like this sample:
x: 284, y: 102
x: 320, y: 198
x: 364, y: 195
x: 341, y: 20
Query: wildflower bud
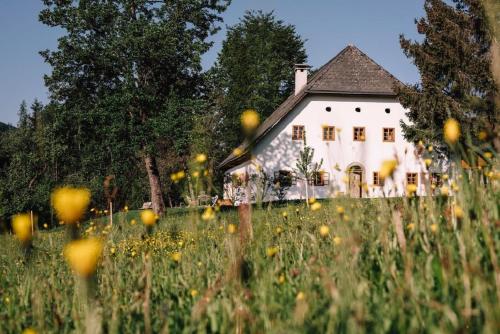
x: 387, y: 168
x: 451, y: 131
x: 21, y: 224
x: 250, y: 120
x: 324, y: 230
x: 70, y: 203
x: 148, y: 217
x: 316, y: 206
x: 201, y: 158
x: 83, y: 255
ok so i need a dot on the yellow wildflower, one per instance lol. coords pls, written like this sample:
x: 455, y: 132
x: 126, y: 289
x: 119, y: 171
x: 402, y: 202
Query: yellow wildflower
x: 45, y: 226
x: 411, y: 226
x: 250, y: 120
x: 193, y: 293
x: 148, y: 217
x: 231, y: 228
x: 387, y: 168
x: 445, y: 191
x: 237, y: 151
x: 300, y: 296
x: 83, y: 255
x: 488, y: 155
x: 21, y: 224
x: 29, y: 331
x: 337, y: 240
x: 340, y: 209
x: 180, y: 175
x: 201, y: 158
x: 125, y: 208
x: 316, y: 206
x: 271, y: 251
x: 411, y: 189
x: 434, y: 228
x: 430, y: 148
x: 483, y: 135
x: 459, y: 213
x: 208, y: 214
x: 281, y: 279
x: 428, y: 162
x: 279, y: 230
x: 133, y: 222
x: 70, y: 203
x: 176, y: 257
x: 284, y: 214
x: 324, y: 230
x: 312, y: 200
x: 451, y: 130
x: 196, y: 174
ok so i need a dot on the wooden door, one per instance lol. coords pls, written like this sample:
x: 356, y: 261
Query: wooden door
x: 355, y: 179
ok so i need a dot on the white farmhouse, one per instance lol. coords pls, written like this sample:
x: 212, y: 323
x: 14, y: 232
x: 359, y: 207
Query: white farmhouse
x: 349, y: 114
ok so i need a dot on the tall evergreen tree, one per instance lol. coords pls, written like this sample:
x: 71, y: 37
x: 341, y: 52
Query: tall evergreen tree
x: 254, y: 70
x: 454, y: 64
x: 126, y: 63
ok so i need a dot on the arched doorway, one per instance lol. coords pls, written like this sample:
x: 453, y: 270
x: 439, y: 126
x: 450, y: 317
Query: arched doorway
x: 355, y: 185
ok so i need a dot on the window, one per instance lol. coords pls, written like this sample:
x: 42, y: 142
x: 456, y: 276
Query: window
x: 298, y: 132
x: 328, y: 109
x: 377, y: 180
x: 358, y: 109
x: 436, y: 179
x: 320, y: 179
x: 359, y: 134
x: 285, y: 178
x: 389, y: 134
x: 412, y: 178
x: 328, y: 133
x: 387, y: 110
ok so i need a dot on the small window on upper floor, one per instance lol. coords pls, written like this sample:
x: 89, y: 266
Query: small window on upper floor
x: 387, y: 110
x: 358, y: 109
x: 284, y: 178
x: 298, y: 132
x: 328, y: 109
x: 377, y: 180
x: 411, y: 178
x: 359, y: 134
x: 389, y: 134
x: 328, y: 133
x: 320, y: 179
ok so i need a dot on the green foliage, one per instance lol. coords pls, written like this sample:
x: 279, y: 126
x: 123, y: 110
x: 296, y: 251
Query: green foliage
x: 254, y: 70
x: 454, y: 64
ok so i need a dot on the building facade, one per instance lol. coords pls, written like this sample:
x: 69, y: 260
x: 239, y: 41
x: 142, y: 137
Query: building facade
x: 349, y: 114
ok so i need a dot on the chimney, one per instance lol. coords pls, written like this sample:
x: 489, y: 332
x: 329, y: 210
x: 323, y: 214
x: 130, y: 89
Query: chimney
x: 301, y: 71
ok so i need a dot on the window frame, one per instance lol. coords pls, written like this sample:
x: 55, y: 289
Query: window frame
x: 303, y: 132
x: 412, y: 175
x: 377, y: 180
x: 283, y: 174
x: 390, y: 140
x: 363, y: 129
x: 326, y: 128
x: 322, y: 180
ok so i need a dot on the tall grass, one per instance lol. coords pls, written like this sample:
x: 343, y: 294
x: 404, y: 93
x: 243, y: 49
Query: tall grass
x: 399, y: 265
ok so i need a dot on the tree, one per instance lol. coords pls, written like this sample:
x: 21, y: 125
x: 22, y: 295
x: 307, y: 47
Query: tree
x: 125, y: 65
x: 307, y: 168
x: 254, y: 70
x: 453, y: 60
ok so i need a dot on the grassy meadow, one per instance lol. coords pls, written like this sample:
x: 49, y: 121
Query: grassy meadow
x: 426, y: 264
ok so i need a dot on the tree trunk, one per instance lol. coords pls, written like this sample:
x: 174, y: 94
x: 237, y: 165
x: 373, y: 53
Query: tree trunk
x: 154, y: 184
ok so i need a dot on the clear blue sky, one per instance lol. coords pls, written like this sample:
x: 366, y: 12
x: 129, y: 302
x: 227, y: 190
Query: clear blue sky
x: 327, y: 25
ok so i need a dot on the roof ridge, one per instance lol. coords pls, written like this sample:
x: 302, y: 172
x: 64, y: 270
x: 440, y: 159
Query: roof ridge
x: 323, y: 69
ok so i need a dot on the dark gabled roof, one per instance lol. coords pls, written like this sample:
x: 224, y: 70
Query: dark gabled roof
x: 351, y: 72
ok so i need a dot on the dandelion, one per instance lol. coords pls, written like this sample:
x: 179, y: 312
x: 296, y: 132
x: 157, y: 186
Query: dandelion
x: 201, y: 158
x: 387, y: 168
x: 281, y: 279
x: 445, y: 191
x: 70, y: 203
x: 451, y: 131
x: 133, y: 222
x: 284, y: 214
x: 340, y: 210
x: 316, y: 206
x: 196, y: 174
x: 125, y: 208
x: 488, y: 155
x: 324, y: 231
x: 312, y: 200
x: 271, y: 251
x: 410, y: 226
x: 83, y: 255
x: 279, y: 230
x: 411, y: 189
x: 482, y: 135
x: 231, y: 229
x: 148, y: 217
x: 21, y: 224
x: 430, y: 148
x: 337, y: 240
x: 208, y: 214
x: 237, y: 151
x: 29, y: 331
x: 428, y: 162
x: 193, y: 293
x: 176, y: 257
x: 180, y: 175
x: 300, y: 296
x: 45, y: 226
x: 250, y: 120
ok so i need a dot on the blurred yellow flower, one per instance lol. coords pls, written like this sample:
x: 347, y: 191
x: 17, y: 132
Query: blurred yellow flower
x: 83, y: 255
x: 483, y: 135
x: 324, y: 230
x: 281, y: 279
x: 411, y: 189
x: 428, y: 162
x: 133, y: 222
x: 312, y: 200
x: 176, y: 257
x: 387, y: 168
x: 125, y: 208
x: 208, y: 214
x: 231, y: 228
x: 316, y: 206
x: 300, y: 296
x: 445, y: 191
x: 237, y: 151
x: 430, y: 148
x: 337, y: 240
x: 271, y: 251
x: 488, y: 155
x: 29, y: 331
x: 250, y: 120
x: 148, y: 217
x: 451, y: 130
x: 340, y: 209
x: 201, y: 158
x: 180, y: 175
x: 284, y: 214
x: 45, y: 226
x: 411, y: 226
x: 70, y: 203
x: 459, y: 213
x: 193, y: 293
x: 434, y: 228
x: 21, y: 224
x: 279, y: 230
x: 196, y: 174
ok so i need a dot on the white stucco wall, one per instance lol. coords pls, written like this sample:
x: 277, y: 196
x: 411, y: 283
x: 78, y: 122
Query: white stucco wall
x: 277, y: 151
